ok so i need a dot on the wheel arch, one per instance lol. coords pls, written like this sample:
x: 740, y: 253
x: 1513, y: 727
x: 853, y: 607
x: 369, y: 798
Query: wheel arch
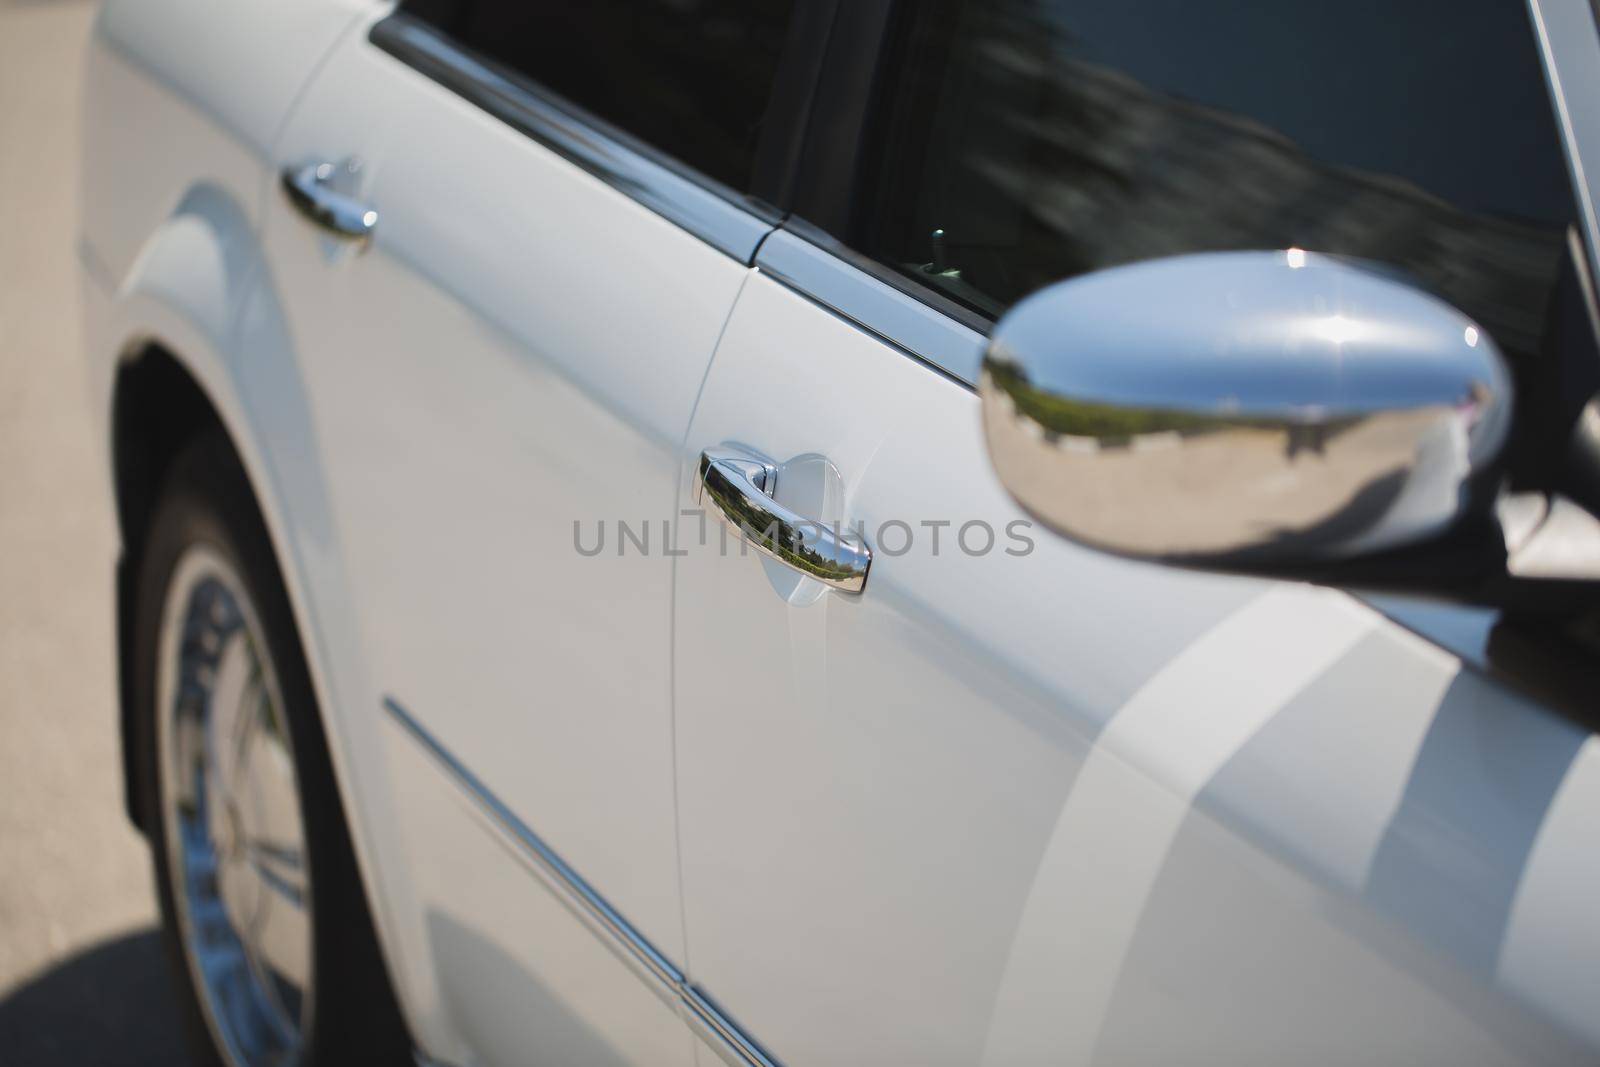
x: 179, y: 352
x: 193, y: 338
x: 157, y: 410
x: 184, y: 334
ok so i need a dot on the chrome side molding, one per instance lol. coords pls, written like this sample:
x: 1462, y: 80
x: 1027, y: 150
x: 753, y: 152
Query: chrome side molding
x: 735, y: 1047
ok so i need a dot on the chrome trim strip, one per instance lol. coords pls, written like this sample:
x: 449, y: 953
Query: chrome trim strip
x: 720, y: 1032
x: 542, y: 854
x: 1569, y: 44
x: 732, y: 1044
x: 717, y: 215
x: 922, y: 331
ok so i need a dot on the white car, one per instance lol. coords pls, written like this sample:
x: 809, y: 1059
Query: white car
x: 618, y: 568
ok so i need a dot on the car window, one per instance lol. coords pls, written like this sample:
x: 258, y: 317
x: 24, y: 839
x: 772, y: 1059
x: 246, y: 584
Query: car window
x: 1019, y: 142
x: 689, y: 77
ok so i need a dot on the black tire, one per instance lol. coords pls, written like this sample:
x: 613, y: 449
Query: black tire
x: 354, y: 1016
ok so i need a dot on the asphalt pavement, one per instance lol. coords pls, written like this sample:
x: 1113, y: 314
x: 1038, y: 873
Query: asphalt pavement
x: 82, y: 977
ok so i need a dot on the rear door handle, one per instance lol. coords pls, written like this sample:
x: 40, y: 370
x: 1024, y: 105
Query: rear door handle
x: 739, y: 488
x: 309, y: 189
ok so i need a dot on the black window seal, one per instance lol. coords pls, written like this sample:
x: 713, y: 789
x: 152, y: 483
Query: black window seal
x: 787, y: 120
x: 805, y: 255
x: 841, y: 113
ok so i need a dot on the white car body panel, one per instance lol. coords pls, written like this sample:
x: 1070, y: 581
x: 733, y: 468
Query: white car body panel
x: 176, y: 163
x: 997, y: 810
x: 513, y: 402
x: 1058, y: 789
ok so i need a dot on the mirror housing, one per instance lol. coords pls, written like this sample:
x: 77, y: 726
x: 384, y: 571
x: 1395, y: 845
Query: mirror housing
x: 1261, y: 412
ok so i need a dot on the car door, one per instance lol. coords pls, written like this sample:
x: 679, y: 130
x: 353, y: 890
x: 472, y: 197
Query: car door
x: 1014, y: 802
x: 510, y: 239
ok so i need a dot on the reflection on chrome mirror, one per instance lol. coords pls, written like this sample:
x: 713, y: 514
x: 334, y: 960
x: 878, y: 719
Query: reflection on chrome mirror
x: 1279, y: 407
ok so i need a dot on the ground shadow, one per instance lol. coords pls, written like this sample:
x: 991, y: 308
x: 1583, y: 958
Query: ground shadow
x: 110, y: 1005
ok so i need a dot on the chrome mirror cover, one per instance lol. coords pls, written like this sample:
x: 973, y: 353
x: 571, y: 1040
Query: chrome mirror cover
x: 1283, y: 407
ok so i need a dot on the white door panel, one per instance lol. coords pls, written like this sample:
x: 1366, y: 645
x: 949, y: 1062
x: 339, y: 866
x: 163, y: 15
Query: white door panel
x: 1061, y: 808
x: 861, y: 830
x: 518, y: 350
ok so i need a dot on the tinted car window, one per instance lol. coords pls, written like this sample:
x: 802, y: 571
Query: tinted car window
x: 1017, y: 143
x: 689, y: 77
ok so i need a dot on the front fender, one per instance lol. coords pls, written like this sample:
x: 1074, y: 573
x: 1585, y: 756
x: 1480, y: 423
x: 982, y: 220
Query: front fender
x: 200, y: 289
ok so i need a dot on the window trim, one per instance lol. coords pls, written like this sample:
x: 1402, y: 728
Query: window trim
x: 949, y: 340
x: 937, y: 332
x: 1571, y: 60
x: 730, y: 221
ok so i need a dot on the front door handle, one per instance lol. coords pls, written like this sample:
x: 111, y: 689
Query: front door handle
x: 309, y: 189
x: 739, y: 488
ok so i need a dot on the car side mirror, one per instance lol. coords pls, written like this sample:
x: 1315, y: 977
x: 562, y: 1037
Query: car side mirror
x: 1277, y: 413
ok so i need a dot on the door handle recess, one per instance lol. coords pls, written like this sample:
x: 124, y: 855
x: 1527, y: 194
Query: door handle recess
x: 308, y: 189
x: 739, y: 487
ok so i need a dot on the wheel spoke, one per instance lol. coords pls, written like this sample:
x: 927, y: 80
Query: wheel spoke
x: 231, y: 808
x: 281, y: 936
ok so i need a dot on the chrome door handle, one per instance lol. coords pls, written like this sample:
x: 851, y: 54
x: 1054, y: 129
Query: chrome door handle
x: 308, y: 189
x: 740, y: 489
